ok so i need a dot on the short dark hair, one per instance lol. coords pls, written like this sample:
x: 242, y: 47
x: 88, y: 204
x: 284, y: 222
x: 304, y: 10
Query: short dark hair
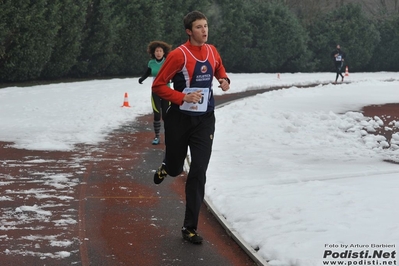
x: 191, y: 17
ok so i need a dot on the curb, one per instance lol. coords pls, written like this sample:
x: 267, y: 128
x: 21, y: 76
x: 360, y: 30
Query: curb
x: 237, y: 238
x: 252, y: 253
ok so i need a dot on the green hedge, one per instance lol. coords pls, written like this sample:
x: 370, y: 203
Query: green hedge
x: 50, y: 40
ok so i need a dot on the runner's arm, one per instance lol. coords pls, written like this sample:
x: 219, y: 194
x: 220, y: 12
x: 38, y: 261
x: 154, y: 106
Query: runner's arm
x: 220, y: 72
x: 174, y: 63
x: 145, y: 75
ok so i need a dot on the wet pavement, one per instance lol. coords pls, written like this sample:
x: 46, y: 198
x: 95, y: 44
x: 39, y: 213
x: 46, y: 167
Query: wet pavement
x: 97, y: 205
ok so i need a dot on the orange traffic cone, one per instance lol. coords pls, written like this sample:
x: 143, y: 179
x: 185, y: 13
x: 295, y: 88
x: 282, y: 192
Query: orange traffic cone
x: 125, y: 101
x: 346, y: 71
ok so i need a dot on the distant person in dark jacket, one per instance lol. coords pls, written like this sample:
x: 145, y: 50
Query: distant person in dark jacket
x: 338, y: 57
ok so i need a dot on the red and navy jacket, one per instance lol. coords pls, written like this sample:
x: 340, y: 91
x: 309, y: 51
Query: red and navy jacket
x: 189, y: 66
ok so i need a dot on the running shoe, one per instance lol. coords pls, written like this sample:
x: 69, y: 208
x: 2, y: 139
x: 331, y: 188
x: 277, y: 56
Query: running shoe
x: 160, y: 174
x: 155, y: 141
x: 191, y: 235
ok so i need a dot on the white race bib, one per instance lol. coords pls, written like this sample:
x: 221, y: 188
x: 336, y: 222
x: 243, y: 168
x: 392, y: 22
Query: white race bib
x: 338, y: 58
x: 200, y: 106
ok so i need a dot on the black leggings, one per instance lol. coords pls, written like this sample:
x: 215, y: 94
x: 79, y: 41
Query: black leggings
x: 183, y: 131
x: 159, y: 107
x: 338, y: 68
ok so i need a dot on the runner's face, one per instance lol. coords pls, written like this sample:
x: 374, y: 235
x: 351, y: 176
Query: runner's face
x: 158, y: 53
x: 199, y: 32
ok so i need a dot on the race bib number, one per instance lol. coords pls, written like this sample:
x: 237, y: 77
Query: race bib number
x: 200, y: 106
x: 338, y: 58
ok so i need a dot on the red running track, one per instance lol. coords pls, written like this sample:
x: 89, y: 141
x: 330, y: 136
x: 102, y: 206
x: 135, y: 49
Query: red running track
x: 97, y: 205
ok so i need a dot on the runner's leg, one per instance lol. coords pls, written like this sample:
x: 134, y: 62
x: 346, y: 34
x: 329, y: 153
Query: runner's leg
x: 200, y: 143
x: 177, y: 127
x: 156, y: 107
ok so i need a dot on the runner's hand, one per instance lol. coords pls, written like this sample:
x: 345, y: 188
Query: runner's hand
x: 193, y: 97
x: 224, y: 84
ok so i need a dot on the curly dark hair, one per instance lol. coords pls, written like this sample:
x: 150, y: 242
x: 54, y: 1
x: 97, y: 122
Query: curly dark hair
x: 155, y: 44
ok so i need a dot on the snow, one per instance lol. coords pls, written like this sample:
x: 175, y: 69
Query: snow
x: 296, y: 172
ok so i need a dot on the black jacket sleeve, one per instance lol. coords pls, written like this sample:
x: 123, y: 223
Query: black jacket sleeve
x: 145, y: 75
x: 333, y: 53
